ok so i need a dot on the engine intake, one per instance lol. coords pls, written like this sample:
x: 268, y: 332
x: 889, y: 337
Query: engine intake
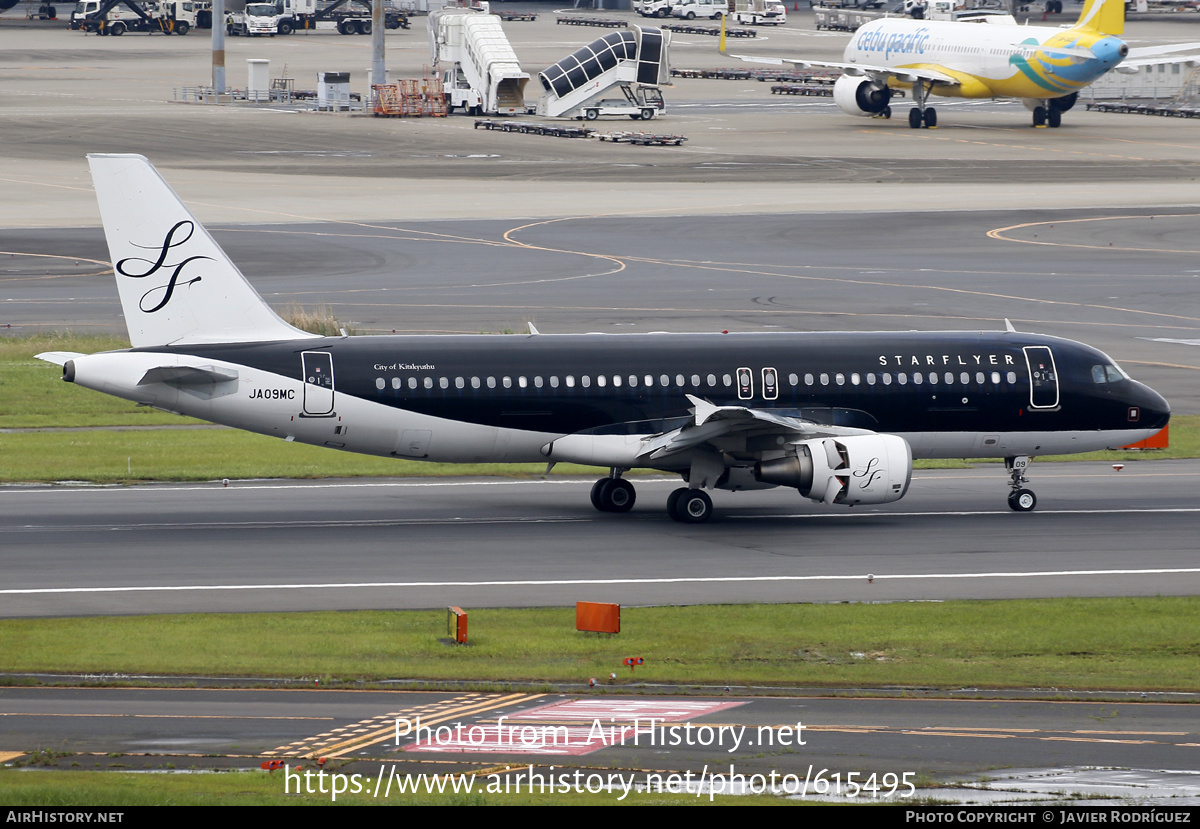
x: 858, y: 96
x: 866, y: 469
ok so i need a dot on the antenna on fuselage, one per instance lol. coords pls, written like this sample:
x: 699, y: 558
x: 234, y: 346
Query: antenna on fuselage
x: 1008, y: 326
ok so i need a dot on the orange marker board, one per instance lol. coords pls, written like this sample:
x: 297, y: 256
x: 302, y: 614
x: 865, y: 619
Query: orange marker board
x: 598, y: 617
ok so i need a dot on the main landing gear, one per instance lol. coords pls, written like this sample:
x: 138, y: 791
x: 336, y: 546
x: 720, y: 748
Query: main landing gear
x: 613, y: 494
x: 1048, y: 112
x: 1020, y: 499
x: 685, y: 505
x: 921, y: 115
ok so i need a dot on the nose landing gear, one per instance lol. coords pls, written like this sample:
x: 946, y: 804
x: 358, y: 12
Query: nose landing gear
x: 1020, y: 499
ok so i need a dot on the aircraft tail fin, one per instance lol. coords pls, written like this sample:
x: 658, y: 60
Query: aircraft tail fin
x: 175, y: 282
x: 1106, y: 17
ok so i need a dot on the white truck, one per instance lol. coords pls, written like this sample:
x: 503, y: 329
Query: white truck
x: 656, y: 8
x: 116, y: 17
x: 479, y: 70
x: 256, y: 20
x: 348, y: 17
x: 759, y: 13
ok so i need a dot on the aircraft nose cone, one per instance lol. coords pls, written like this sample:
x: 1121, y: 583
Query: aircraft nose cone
x: 1155, y: 411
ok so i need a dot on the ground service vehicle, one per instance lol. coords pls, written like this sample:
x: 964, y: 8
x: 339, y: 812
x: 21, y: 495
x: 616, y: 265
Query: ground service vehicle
x: 116, y: 17
x: 656, y: 8
x: 257, y: 19
x: 759, y: 13
x: 691, y: 9
x: 349, y: 17
x: 479, y: 69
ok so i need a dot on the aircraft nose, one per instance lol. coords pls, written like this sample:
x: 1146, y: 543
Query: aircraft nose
x: 1153, y: 410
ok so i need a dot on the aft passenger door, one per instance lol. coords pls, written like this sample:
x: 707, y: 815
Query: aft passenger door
x: 318, y: 383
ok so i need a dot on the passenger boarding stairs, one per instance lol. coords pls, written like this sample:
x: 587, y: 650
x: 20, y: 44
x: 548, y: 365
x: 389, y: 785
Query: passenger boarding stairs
x: 476, y: 44
x: 633, y: 56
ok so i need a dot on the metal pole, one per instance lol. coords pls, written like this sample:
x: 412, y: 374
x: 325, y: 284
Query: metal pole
x: 218, y: 47
x: 378, y: 66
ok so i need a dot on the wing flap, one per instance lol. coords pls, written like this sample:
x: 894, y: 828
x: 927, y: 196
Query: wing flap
x: 710, y: 422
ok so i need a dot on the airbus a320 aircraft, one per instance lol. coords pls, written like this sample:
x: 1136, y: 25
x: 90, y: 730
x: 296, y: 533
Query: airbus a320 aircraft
x: 985, y: 55
x: 836, y: 416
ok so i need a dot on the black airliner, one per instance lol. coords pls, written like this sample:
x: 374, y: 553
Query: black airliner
x: 837, y: 416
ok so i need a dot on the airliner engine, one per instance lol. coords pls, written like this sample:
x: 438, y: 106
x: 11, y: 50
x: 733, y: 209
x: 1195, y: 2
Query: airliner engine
x: 867, y: 469
x: 860, y: 96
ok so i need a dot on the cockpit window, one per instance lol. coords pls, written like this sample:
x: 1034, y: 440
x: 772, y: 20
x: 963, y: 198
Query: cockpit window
x: 1108, y: 374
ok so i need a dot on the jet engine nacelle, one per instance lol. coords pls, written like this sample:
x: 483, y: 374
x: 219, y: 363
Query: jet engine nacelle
x: 860, y: 96
x: 866, y: 469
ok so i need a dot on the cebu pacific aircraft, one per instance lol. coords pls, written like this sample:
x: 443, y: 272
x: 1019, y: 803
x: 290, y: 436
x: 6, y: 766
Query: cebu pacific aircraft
x: 982, y: 55
x: 836, y: 416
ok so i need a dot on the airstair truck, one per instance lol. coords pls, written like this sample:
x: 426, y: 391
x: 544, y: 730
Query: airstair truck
x: 479, y: 69
x: 632, y: 63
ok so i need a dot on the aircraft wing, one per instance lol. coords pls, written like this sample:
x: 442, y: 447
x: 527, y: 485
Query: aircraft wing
x: 710, y: 421
x: 858, y: 70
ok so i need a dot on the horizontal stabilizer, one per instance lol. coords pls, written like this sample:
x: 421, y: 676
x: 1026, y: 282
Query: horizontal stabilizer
x: 59, y: 358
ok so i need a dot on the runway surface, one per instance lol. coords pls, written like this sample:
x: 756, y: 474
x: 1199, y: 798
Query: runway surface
x: 275, y: 546
x: 1132, y: 750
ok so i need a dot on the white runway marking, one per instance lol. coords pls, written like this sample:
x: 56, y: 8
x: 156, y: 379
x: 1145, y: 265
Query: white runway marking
x: 584, y: 582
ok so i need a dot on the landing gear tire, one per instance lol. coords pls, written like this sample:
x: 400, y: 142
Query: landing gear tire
x: 1039, y: 116
x: 691, y: 506
x: 887, y: 113
x: 1053, y: 118
x: 613, y: 495
x: 597, y: 488
x: 1022, y: 500
x: 673, y: 499
x: 618, y: 495
x: 930, y: 117
x: 915, y: 119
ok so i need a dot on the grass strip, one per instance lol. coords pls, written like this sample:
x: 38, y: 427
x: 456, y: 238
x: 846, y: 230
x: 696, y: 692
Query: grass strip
x: 81, y: 788
x: 1108, y: 643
